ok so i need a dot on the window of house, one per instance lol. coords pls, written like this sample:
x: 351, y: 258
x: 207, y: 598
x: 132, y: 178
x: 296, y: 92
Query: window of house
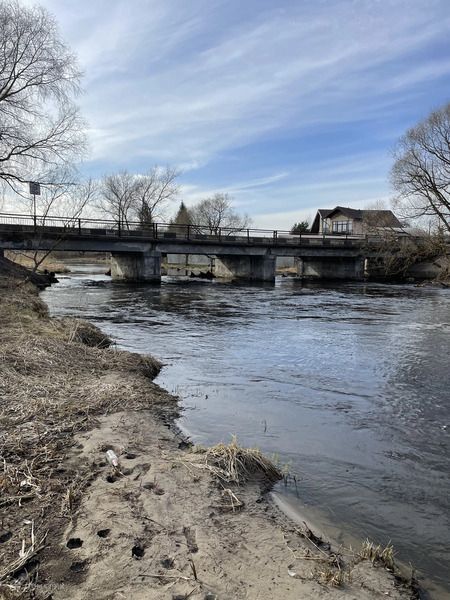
x: 342, y: 226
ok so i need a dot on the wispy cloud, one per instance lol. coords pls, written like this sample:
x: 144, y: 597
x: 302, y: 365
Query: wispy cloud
x: 203, y: 84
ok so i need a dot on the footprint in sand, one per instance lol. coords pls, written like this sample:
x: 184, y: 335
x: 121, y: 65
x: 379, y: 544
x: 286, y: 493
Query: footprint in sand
x: 103, y: 533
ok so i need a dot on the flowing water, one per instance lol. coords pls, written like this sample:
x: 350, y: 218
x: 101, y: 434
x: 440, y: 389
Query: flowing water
x: 349, y: 384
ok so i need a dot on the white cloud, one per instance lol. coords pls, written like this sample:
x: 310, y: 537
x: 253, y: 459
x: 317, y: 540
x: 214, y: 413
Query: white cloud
x: 186, y: 82
x: 281, y: 199
x: 160, y: 86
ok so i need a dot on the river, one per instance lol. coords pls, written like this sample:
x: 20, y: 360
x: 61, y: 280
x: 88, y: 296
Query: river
x: 349, y: 384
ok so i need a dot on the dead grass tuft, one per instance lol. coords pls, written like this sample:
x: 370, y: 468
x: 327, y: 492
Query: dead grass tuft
x: 377, y: 554
x: 82, y: 332
x: 232, y: 463
x: 327, y: 575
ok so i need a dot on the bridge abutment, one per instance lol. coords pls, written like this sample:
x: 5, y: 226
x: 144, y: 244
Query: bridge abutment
x: 136, y: 266
x: 250, y: 268
x: 331, y: 268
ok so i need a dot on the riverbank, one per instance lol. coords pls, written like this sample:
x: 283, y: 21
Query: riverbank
x: 164, y: 526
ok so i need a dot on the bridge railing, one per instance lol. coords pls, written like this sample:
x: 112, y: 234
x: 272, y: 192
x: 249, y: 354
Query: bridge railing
x: 85, y: 227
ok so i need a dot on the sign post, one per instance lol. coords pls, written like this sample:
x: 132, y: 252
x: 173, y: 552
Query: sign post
x: 35, y: 190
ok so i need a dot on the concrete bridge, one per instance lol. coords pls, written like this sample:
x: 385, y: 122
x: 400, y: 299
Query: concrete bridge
x: 136, y: 252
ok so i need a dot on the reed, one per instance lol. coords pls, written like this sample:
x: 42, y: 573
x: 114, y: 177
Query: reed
x: 233, y: 463
x: 378, y: 554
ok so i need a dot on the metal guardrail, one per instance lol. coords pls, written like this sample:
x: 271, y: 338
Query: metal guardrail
x: 83, y: 227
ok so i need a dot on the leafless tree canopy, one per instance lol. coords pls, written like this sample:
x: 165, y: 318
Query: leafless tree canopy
x: 117, y: 197
x: 128, y: 198
x: 40, y: 127
x: 67, y: 200
x: 216, y: 212
x: 153, y: 192
x: 421, y: 173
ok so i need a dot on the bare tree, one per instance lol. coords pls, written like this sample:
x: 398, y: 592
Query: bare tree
x: 153, y: 191
x: 129, y: 198
x: 2, y: 195
x: 118, y: 198
x: 217, y: 212
x: 40, y: 126
x: 393, y: 251
x: 66, y: 199
x: 394, y: 256
x: 421, y: 173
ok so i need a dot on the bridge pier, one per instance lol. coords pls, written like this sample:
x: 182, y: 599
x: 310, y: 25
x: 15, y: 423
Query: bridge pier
x: 300, y: 266
x: 331, y: 268
x: 250, y: 268
x: 136, y: 266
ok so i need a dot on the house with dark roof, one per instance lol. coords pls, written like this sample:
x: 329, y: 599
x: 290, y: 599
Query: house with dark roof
x: 353, y: 221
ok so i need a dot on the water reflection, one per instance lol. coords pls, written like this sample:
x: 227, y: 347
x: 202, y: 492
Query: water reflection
x: 349, y: 384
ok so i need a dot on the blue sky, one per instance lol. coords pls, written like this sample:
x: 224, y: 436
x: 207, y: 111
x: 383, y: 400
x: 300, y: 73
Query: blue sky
x: 288, y: 106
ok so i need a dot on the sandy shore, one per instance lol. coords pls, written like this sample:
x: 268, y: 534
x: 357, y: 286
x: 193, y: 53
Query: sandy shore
x: 163, y: 526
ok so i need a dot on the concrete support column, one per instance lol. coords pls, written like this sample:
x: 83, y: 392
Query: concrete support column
x: 250, y: 268
x: 136, y: 266
x: 351, y: 269
x: 300, y: 266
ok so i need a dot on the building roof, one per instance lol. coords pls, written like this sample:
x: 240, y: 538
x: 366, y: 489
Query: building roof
x: 377, y: 218
x: 381, y: 218
x: 322, y: 213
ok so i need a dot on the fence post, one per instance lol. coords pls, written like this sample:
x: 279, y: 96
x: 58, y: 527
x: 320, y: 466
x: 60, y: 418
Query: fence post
x: 79, y: 226
x: 220, y: 234
x: 248, y: 236
x: 188, y: 232
x: 118, y: 227
x: 156, y: 231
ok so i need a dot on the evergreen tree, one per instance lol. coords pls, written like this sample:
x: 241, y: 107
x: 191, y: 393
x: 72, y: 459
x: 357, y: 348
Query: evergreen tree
x: 183, y: 216
x: 182, y: 219
x: 302, y: 227
x: 145, y: 216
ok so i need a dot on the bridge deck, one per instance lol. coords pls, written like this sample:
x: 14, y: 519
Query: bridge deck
x: 23, y: 227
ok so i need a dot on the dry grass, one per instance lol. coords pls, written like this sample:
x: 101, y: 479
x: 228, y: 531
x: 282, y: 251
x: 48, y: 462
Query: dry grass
x: 232, y: 463
x: 25, y: 554
x: 55, y: 379
x: 330, y: 569
x: 82, y: 332
x: 27, y: 260
x: 377, y: 554
x: 335, y: 577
